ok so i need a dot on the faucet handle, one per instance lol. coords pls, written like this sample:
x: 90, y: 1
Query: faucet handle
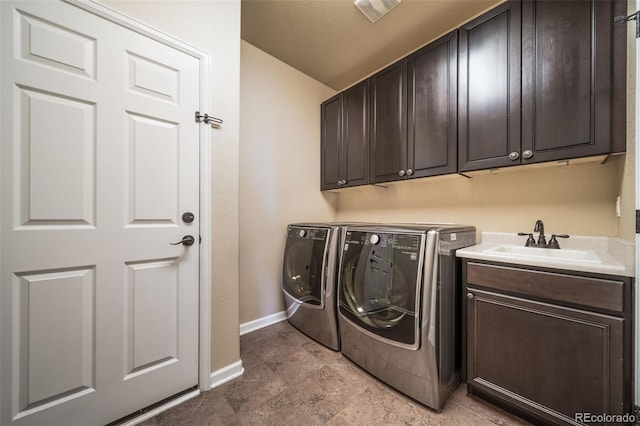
x: 553, y: 243
x: 530, y: 240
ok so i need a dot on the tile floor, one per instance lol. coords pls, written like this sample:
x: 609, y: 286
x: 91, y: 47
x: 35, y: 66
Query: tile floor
x: 290, y: 379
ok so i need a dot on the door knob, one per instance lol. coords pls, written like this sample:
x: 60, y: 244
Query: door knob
x: 527, y: 154
x: 187, y: 240
x: 401, y: 172
x: 409, y: 172
x: 469, y: 296
x: 514, y: 156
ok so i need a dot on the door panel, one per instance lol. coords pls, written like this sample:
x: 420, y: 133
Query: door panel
x: 56, y: 128
x: 489, y: 89
x: 331, y: 111
x: 56, y: 353
x: 532, y: 355
x: 566, y: 95
x: 99, y: 311
x: 152, y: 314
x: 389, y: 123
x: 356, y: 134
x: 153, y: 171
x: 432, y: 94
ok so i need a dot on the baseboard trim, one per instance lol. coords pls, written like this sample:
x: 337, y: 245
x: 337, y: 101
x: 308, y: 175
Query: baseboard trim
x: 164, y: 407
x: 225, y: 374
x: 259, y: 323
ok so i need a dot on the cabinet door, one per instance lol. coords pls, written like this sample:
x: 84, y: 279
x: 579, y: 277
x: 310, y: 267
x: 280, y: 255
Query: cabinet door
x: 331, y: 142
x: 389, y: 123
x: 567, y: 79
x: 545, y: 359
x: 355, y: 149
x: 489, y: 89
x: 432, y: 99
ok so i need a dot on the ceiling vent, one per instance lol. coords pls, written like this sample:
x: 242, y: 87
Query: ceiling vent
x: 376, y: 9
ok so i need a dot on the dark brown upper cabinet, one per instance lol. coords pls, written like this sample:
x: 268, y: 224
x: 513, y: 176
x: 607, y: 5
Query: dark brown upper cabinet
x: 414, y: 113
x: 489, y: 89
x: 389, y: 123
x: 345, y: 138
x: 564, y: 103
x: 432, y: 112
x: 567, y: 66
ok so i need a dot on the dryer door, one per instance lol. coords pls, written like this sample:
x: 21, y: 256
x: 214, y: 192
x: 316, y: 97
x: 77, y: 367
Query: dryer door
x: 380, y: 277
x: 304, y: 265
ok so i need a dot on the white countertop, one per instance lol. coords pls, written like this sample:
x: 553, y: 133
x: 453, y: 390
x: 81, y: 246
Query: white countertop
x: 603, y: 255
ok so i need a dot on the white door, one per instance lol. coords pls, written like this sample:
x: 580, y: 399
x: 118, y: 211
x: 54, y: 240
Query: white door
x: 99, y: 161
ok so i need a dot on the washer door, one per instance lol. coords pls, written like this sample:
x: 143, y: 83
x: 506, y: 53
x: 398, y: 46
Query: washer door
x: 379, y: 285
x: 304, y: 257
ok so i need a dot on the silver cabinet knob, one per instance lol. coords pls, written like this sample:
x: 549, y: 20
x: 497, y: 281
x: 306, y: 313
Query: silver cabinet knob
x: 469, y: 296
x: 409, y: 172
x: 513, y: 156
x: 527, y: 154
x: 339, y: 182
x: 344, y: 182
x: 401, y: 173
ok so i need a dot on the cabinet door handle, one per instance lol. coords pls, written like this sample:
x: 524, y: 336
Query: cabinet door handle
x: 527, y: 154
x: 469, y: 296
x: 401, y: 173
x: 344, y: 182
x: 409, y: 172
x: 513, y: 156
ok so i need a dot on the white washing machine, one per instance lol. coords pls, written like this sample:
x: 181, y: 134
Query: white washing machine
x: 309, y: 280
x: 399, y: 304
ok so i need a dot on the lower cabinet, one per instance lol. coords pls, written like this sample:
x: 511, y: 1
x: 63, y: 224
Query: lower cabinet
x: 553, y: 347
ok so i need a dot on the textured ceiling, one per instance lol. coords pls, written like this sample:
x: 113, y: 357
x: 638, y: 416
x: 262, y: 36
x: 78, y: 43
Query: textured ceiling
x: 333, y: 42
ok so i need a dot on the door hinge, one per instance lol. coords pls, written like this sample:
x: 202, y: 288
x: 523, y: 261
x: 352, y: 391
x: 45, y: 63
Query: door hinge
x: 207, y: 119
x: 199, y: 239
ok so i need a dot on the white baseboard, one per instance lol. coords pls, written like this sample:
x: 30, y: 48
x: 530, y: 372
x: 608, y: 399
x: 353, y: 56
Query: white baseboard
x: 164, y: 407
x: 225, y: 374
x: 259, y: 323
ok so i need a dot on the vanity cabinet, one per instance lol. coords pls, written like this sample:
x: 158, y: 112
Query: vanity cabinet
x: 345, y: 138
x: 414, y: 114
x: 539, y: 81
x: 548, y: 344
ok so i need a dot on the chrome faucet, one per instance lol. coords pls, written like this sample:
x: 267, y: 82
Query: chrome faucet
x: 542, y: 241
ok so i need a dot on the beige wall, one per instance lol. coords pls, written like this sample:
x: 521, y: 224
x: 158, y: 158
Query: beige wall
x: 279, y: 172
x: 579, y: 199
x: 213, y: 26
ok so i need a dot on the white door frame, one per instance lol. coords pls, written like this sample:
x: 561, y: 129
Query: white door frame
x: 636, y: 379
x: 204, y: 355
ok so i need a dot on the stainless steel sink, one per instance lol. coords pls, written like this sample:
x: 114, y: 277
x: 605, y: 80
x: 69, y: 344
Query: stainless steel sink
x: 579, y: 256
